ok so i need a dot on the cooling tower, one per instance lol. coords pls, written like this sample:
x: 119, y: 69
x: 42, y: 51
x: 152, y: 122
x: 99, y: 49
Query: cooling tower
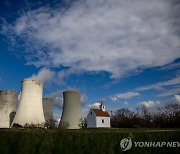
x: 8, y: 104
x: 48, y: 108
x: 71, y: 114
x: 30, y: 109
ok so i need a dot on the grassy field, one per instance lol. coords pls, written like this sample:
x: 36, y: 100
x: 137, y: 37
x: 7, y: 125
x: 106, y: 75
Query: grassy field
x: 94, y: 141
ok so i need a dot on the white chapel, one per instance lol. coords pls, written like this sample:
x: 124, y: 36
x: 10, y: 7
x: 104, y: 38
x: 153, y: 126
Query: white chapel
x: 98, y: 118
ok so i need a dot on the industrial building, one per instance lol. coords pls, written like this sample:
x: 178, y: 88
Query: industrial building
x: 30, y: 109
x: 71, y: 114
x: 48, y: 108
x: 8, y: 105
x: 98, y: 118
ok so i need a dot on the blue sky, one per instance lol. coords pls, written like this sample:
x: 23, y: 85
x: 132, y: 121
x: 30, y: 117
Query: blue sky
x: 127, y: 52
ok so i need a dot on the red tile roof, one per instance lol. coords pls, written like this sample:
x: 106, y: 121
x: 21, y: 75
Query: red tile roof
x: 99, y: 112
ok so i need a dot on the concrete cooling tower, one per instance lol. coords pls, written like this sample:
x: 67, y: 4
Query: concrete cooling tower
x: 8, y: 104
x: 71, y: 114
x: 30, y: 109
x: 48, y: 108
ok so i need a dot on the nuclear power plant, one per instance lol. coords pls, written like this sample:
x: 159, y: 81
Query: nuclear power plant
x: 8, y: 105
x: 33, y: 110
x: 30, y: 109
x: 71, y: 114
x: 48, y: 108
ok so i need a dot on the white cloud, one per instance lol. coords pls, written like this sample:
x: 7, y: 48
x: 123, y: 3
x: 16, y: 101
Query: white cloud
x: 160, y: 85
x: 65, y: 73
x: 84, y: 98
x: 125, y: 103
x: 170, y: 66
x: 160, y: 104
x: 149, y: 104
x: 56, y: 116
x: 170, y: 92
x: 176, y: 99
x: 127, y: 95
x: 94, y: 105
x: 117, y: 36
x: 174, y: 89
x: 44, y: 75
x: 85, y: 111
x: 57, y: 99
x: 57, y: 122
x: 86, y: 108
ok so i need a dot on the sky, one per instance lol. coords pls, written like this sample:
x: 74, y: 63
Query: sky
x: 125, y: 52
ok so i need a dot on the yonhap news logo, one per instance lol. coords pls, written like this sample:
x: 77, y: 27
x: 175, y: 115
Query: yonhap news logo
x: 126, y: 144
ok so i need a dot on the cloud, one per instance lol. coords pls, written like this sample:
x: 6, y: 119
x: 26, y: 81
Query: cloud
x: 170, y: 66
x: 57, y: 117
x: 125, y: 103
x: 164, y: 87
x: 176, y: 99
x: 160, y: 85
x: 159, y: 104
x: 65, y: 73
x: 127, y: 95
x: 170, y: 92
x: 94, y: 105
x: 57, y: 99
x: 116, y: 36
x: 44, y: 75
x: 85, y: 109
x: 84, y: 99
x: 149, y: 104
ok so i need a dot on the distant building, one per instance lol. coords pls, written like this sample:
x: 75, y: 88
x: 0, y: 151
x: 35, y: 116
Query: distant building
x: 98, y: 118
x: 8, y: 105
x: 48, y: 108
x: 30, y: 108
x: 71, y: 114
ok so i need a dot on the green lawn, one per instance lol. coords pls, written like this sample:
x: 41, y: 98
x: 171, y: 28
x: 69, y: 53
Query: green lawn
x: 94, y: 141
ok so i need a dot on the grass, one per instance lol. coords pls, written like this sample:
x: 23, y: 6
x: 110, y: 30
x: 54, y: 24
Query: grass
x: 94, y: 141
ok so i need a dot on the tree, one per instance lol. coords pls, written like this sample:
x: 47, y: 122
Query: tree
x: 64, y: 125
x: 51, y: 123
x: 83, y: 123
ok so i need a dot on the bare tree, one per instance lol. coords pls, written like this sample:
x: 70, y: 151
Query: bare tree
x: 64, y: 125
x: 51, y: 123
x: 83, y: 123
